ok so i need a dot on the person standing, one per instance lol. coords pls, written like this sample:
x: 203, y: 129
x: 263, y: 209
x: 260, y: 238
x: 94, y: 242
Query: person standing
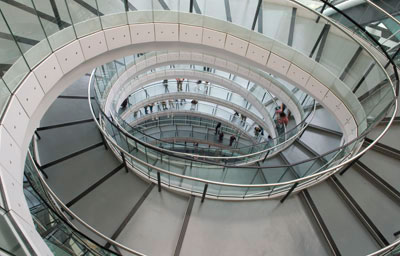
x: 165, y: 83
x: 164, y: 105
x: 217, y: 128
x: 221, y: 136
x: 151, y: 105
x: 124, y: 104
x: 231, y: 140
x: 194, y: 103
x: 145, y: 109
x: 179, y: 82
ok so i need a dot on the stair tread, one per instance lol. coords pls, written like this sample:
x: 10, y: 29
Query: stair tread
x: 373, y: 201
x: 59, y: 142
x: 80, y: 172
x: 385, y: 166
x: 106, y: 206
x: 347, y: 231
x: 251, y: 228
x: 155, y: 228
x: 66, y: 110
x: 390, y: 138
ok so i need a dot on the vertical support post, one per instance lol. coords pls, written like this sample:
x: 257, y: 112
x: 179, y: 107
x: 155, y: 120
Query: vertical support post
x: 322, y: 10
x: 256, y: 14
x: 289, y: 192
x: 204, y: 192
x: 159, y: 181
x: 124, y: 161
x: 126, y: 5
x: 191, y: 6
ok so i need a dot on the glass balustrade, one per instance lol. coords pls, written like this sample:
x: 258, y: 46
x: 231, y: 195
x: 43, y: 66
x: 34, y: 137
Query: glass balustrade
x: 257, y: 152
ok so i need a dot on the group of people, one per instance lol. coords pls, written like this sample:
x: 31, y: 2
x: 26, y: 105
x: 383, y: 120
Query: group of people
x: 179, y: 84
x: 258, y: 130
x: 220, y: 133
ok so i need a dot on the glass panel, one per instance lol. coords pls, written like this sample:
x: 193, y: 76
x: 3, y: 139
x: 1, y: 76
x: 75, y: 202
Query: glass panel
x: 85, y: 18
x: 28, y: 30
x: 112, y: 13
x: 9, y: 240
x: 55, y: 18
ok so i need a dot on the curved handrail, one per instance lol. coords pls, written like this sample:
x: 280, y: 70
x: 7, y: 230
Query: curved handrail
x: 278, y: 138
x: 76, y: 217
x: 301, y: 127
x: 196, y: 157
x: 202, y: 161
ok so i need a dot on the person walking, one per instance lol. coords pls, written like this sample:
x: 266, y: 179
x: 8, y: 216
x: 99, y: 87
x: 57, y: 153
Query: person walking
x: 194, y: 103
x: 164, y: 105
x: 217, y: 128
x: 243, y: 117
x: 257, y: 131
x: 165, y: 83
x: 179, y: 82
x: 283, y: 120
x: 124, y: 104
x: 171, y: 104
x: 231, y: 140
x: 221, y: 136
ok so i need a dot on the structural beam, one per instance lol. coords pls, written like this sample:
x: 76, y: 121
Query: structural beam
x: 228, y: 11
x: 291, y: 28
x: 256, y: 14
x: 89, y: 7
x: 196, y: 7
x: 362, y: 79
x: 164, y: 5
x: 320, y: 41
x: 20, y: 39
x: 351, y: 63
x: 33, y: 11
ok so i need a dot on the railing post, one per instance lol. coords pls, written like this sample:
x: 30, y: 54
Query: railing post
x: 124, y: 161
x: 159, y: 181
x: 204, y: 192
x: 191, y: 6
x: 322, y: 10
x: 289, y: 192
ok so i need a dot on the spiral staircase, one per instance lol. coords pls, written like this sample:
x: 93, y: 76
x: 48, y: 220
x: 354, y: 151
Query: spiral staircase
x: 81, y: 175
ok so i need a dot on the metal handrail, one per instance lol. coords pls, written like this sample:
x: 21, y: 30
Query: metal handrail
x: 334, y: 168
x: 303, y: 123
x: 76, y: 217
